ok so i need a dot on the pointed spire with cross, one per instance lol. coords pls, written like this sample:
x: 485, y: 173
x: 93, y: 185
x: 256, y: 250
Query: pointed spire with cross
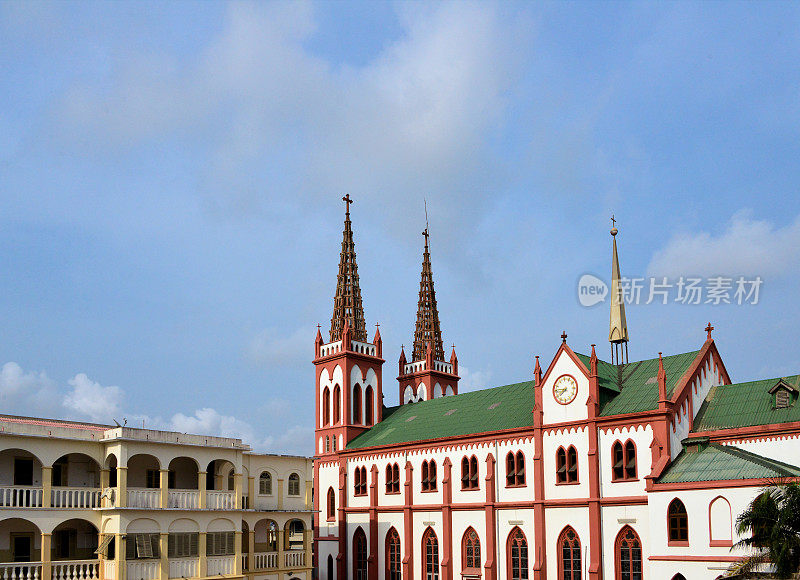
x: 618, y: 325
x: 347, y: 304
x: 428, y: 332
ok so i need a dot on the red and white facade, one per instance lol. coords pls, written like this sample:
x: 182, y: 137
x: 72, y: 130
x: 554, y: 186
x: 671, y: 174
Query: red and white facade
x: 552, y: 500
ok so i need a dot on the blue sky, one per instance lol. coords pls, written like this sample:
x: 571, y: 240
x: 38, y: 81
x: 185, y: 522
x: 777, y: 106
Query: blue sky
x: 171, y: 175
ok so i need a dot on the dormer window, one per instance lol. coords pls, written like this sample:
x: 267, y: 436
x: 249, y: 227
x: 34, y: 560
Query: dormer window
x: 784, y: 394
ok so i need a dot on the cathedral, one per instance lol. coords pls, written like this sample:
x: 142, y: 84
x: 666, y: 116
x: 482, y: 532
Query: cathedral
x: 616, y: 470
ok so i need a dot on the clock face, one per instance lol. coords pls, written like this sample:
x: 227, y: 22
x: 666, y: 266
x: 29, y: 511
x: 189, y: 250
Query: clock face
x: 565, y: 389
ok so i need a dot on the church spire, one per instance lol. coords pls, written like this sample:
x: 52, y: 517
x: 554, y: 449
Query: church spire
x: 618, y: 327
x: 347, y: 302
x: 427, y: 334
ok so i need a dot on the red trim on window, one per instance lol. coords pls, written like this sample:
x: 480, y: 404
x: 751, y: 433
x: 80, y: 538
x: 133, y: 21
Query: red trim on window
x: 569, y: 539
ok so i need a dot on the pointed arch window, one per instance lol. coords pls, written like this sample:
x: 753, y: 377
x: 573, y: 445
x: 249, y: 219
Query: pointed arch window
x: 430, y: 551
x: 331, y: 504
x: 357, y: 403
x: 359, y: 555
x: 360, y: 481
x: 471, y: 553
x: 469, y: 473
x: 566, y: 465
x: 393, y: 558
x: 429, y: 475
x: 392, y: 478
x: 517, y: 555
x: 330, y: 568
x: 515, y: 469
x: 369, y: 415
x: 628, y: 555
x: 337, y: 396
x: 677, y: 523
x: 326, y: 406
x: 569, y: 555
x: 623, y: 461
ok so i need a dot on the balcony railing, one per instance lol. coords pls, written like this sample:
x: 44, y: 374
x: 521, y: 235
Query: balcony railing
x: 144, y: 497
x: 187, y: 499
x: 294, y: 559
x: 141, y: 569
x: 21, y: 571
x: 220, y: 565
x: 76, y: 570
x: 265, y: 560
x: 220, y: 500
x: 109, y: 570
x: 20, y: 496
x: 75, y: 497
x: 183, y: 567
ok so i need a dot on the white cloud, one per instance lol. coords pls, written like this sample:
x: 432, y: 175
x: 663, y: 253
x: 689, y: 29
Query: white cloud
x: 26, y: 393
x: 91, y: 399
x: 472, y: 381
x: 747, y: 247
x: 273, y: 347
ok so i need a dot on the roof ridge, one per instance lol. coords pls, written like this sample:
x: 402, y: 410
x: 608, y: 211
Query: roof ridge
x: 756, y: 458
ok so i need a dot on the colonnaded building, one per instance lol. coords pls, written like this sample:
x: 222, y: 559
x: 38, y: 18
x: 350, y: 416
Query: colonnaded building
x: 588, y: 469
x: 80, y: 501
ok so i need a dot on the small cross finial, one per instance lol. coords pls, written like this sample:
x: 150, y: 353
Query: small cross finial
x: 613, y: 225
x: 378, y: 324
x: 426, y: 234
x: 319, y: 327
x: 346, y: 199
x: 708, y: 329
x: 564, y: 337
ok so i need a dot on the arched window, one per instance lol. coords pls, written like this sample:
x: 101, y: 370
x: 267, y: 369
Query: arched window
x: 334, y: 443
x: 719, y: 519
x: 628, y: 555
x: 360, y: 481
x: 330, y: 567
x: 326, y: 406
x: 425, y: 475
x: 677, y: 523
x: 265, y: 483
x: 430, y: 551
x: 569, y: 555
x: 679, y: 577
x: 630, y: 460
x: 515, y: 469
x: 357, y: 403
x: 429, y: 475
x: 359, y: 555
x: 561, y: 465
x: 294, y: 484
x: 469, y: 473
x: 572, y: 465
x: 327, y: 444
x: 393, y: 558
x: 617, y: 462
x: 369, y: 417
x: 517, y: 555
x: 331, y: 504
x: 392, y: 478
x: 337, y: 399
x: 471, y: 553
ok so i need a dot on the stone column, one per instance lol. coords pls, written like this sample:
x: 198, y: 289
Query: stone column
x: 104, y: 479
x: 308, y: 537
x: 237, y: 491
x: 119, y: 554
x: 47, y: 486
x: 201, y: 485
x: 251, y: 492
x: 201, y: 554
x: 251, y: 550
x: 309, y: 485
x: 47, y: 566
x: 237, y: 550
x: 122, y: 486
x: 163, y: 481
x: 163, y: 548
x: 281, y: 551
x: 280, y: 494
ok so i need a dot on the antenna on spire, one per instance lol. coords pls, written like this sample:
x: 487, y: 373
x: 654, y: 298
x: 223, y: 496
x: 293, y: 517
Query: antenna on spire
x: 618, y: 327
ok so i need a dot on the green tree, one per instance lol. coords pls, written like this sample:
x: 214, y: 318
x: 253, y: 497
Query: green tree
x: 772, y: 523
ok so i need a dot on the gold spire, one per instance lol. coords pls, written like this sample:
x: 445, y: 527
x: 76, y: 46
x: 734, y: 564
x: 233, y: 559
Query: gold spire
x: 427, y: 333
x: 618, y: 327
x: 347, y: 302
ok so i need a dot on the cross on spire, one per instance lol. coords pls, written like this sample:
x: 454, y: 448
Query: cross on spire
x: 708, y: 329
x: 564, y: 336
x: 346, y: 199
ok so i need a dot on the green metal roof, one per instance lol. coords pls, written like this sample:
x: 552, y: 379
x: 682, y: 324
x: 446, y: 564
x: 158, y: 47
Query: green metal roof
x: 506, y: 407
x: 745, y: 405
x: 714, y: 462
x: 633, y: 387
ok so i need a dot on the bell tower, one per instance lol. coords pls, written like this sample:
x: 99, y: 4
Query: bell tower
x: 427, y: 375
x: 348, y: 368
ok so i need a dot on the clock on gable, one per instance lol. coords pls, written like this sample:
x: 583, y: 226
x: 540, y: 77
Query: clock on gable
x: 565, y: 389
